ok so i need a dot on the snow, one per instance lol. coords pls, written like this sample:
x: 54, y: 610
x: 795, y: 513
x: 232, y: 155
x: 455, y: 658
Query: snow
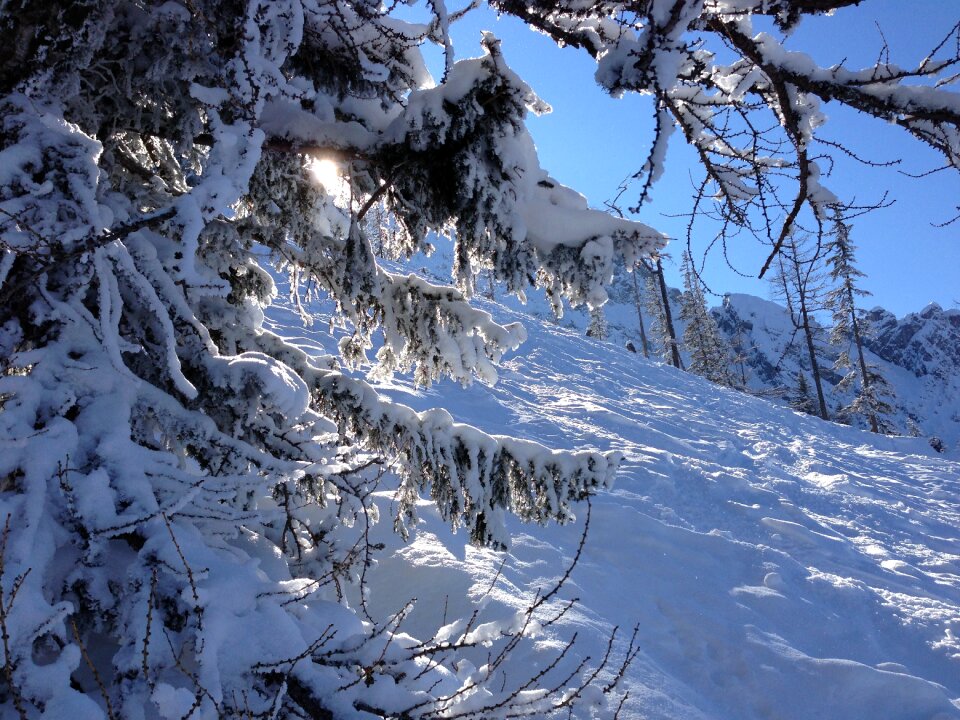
x: 917, y: 354
x: 277, y: 382
x: 777, y: 566
x: 284, y: 119
x: 187, y: 497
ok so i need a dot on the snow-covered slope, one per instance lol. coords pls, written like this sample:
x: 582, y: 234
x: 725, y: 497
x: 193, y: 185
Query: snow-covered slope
x: 776, y: 566
x: 919, y: 354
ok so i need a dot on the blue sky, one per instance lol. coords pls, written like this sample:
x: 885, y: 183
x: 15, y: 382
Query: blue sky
x: 592, y: 142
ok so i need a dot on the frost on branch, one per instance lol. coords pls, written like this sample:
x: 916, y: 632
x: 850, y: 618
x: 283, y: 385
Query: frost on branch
x: 467, y: 138
x: 751, y: 109
x: 473, y: 477
x: 186, y: 497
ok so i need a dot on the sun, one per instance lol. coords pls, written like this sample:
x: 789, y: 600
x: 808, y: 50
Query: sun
x: 327, y: 173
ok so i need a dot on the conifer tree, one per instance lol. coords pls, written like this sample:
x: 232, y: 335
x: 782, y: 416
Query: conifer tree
x: 665, y: 341
x: 186, y: 490
x: 709, y: 353
x: 187, y: 493
x: 871, y: 391
x: 799, y: 284
x: 802, y: 401
x: 597, y: 328
x: 871, y: 399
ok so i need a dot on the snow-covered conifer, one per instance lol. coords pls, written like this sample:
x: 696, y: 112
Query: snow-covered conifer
x: 598, y: 325
x: 709, y: 353
x: 872, y: 395
x: 871, y: 391
x: 801, y: 400
x: 186, y: 493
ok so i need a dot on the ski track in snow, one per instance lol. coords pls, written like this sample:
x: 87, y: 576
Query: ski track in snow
x: 777, y: 566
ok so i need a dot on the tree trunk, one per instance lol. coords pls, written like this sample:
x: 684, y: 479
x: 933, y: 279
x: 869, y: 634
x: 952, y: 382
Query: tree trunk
x: 864, y: 377
x: 814, y: 365
x: 636, y: 298
x: 665, y: 299
x: 808, y: 333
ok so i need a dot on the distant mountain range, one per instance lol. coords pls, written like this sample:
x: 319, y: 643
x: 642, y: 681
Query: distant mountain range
x: 918, y: 354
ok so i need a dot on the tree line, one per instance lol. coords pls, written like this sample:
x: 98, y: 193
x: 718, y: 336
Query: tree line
x: 813, y: 278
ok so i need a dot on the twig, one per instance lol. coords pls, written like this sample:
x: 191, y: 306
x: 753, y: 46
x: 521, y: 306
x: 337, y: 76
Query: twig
x: 183, y: 559
x: 93, y: 669
x: 5, y: 607
x: 146, y: 635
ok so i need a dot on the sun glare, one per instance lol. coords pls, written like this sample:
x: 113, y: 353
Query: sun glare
x: 327, y: 174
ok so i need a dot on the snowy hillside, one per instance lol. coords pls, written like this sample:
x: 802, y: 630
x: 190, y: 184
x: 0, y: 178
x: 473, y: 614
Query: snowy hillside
x: 197, y: 515
x: 918, y: 354
x: 776, y: 566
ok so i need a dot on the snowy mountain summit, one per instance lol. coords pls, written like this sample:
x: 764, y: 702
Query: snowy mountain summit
x: 927, y: 342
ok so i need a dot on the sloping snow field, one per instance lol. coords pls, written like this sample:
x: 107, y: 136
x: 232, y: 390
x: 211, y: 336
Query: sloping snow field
x: 776, y: 566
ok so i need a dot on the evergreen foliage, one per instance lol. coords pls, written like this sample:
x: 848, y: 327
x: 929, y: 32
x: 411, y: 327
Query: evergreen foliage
x: 802, y: 401
x: 709, y: 353
x: 871, y: 391
x: 871, y: 399
x: 598, y: 325
x: 186, y: 493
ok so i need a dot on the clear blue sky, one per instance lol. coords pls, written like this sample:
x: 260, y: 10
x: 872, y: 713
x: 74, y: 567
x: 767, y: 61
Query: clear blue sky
x: 592, y: 142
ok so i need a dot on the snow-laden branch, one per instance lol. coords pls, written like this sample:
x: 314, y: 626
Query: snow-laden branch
x: 752, y: 120
x: 190, y: 497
